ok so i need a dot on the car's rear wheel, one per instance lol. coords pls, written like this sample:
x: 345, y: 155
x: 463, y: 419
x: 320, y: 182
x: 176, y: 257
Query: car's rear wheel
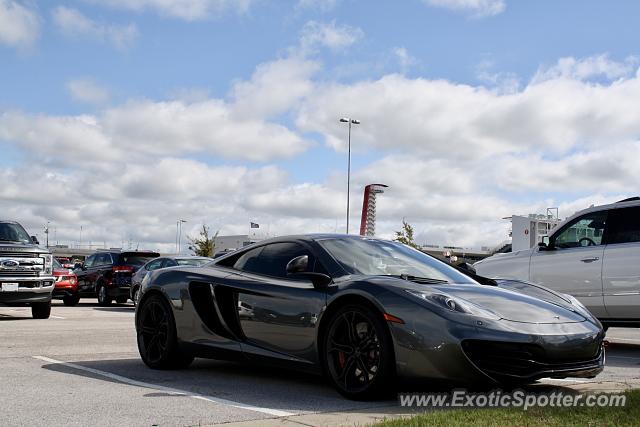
x: 103, y: 297
x: 157, y: 337
x: 71, y: 300
x: 358, y: 353
x: 41, y: 310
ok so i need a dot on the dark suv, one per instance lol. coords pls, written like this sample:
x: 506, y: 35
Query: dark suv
x: 107, y: 275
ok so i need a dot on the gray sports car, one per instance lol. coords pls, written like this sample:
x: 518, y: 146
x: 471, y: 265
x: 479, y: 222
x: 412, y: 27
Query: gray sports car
x: 364, y: 312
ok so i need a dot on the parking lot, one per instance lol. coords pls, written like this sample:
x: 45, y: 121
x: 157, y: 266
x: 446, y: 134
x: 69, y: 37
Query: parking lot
x: 81, y: 367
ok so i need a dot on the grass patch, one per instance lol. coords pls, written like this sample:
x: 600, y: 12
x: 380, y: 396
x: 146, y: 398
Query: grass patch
x: 629, y: 415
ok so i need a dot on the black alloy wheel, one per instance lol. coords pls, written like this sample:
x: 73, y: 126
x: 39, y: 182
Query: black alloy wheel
x: 358, y: 353
x: 156, y: 333
x: 103, y: 297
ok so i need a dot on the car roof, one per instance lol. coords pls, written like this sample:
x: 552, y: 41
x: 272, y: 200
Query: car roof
x: 625, y: 203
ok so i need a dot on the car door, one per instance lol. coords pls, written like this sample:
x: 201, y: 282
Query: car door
x: 277, y: 315
x: 621, y: 266
x: 83, y: 273
x: 572, y: 263
x: 101, y: 269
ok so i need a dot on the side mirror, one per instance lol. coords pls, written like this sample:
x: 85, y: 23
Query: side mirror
x: 297, y: 268
x: 298, y: 264
x: 34, y: 240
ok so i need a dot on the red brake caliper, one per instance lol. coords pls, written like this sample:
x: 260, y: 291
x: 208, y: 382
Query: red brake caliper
x: 341, y: 359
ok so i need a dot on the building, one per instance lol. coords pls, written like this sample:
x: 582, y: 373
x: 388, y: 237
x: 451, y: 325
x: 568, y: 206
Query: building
x: 527, y: 231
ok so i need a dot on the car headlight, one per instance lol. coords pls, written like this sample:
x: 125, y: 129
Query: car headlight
x: 454, y: 304
x: 48, y: 263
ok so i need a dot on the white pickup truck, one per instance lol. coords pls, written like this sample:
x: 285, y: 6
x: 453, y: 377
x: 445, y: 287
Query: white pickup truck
x: 26, y: 271
x: 594, y: 256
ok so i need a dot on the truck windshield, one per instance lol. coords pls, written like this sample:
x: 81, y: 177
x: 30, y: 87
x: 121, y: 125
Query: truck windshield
x: 10, y: 232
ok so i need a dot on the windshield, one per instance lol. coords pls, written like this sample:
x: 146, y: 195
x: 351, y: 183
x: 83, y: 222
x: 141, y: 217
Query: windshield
x: 197, y: 262
x: 382, y: 258
x: 136, y: 260
x: 13, y: 233
x: 56, y: 264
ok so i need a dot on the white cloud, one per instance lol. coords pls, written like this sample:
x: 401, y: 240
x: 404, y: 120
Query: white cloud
x: 188, y: 10
x: 139, y: 129
x: 87, y: 91
x: 275, y: 87
x: 74, y: 23
x: 478, y: 8
x: 588, y: 68
x: 331, y: 35
x: 19, y: 24
x: 405, y: 60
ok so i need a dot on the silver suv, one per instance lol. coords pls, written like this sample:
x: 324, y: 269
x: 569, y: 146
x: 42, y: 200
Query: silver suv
x: 593, y: 255
x: 26, y: 271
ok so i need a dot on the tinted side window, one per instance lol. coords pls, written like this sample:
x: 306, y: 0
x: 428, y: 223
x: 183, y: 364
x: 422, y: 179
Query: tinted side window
x: 249, y: 260
x: 154, y: 265
x: 623, y: 225
x: 274, y: 259
x: 586, y: 230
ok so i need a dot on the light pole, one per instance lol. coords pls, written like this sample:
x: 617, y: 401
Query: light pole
x: 354, y: 122
x: 46, y: 231
x: 179, y: 234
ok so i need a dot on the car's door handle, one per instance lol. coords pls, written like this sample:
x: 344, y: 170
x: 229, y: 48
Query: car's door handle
x: 588, y: 260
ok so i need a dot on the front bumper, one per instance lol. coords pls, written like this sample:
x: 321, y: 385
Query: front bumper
x: 497, y: 351
x: 30, y: 290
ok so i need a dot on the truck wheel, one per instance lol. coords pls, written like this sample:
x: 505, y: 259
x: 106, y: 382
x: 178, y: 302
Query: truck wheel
x: 41, y: 310
x: 71, y: 300
x: 103, y: 298
x: 121, y: 300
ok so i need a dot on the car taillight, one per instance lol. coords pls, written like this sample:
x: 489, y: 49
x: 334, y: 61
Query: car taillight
x: 123, y: 269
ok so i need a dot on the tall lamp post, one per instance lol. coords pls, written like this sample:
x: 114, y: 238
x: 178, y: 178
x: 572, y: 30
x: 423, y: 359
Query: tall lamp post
x: 351, y: 122
x: 179, y: 223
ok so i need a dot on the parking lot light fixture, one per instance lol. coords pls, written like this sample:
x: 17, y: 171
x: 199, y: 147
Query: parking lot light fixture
x: 351, y: 122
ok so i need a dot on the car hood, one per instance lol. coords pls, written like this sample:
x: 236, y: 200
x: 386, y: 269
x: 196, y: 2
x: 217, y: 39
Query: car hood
x: 513, y: 305
x: 510, y: 300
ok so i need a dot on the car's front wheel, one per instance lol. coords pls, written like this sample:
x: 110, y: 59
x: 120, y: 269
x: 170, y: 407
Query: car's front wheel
x: 41, y: 310
x: 358, y: 353
x: 135, y: 294
x: 157, y: 337
x: 71, y: 300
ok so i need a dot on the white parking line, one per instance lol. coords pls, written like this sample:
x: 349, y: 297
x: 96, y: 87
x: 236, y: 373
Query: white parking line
x: 565, y: 380
x: 57, y: 317
x: 269, y: 411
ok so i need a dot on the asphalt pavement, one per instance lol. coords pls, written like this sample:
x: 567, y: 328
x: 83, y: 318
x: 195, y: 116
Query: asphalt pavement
x: 81, y: 367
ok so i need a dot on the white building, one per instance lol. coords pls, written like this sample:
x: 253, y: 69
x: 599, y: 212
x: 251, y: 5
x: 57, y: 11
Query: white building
x: 528, y: 231
x: 226, y: 243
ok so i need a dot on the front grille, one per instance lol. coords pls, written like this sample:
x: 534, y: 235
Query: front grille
x: 18, y: 273
x: 516, y: 360
x: 4, y: 254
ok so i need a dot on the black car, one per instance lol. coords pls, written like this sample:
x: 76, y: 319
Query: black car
x: 107, y: 275
x: 163, y: 262
x: 364, y: 312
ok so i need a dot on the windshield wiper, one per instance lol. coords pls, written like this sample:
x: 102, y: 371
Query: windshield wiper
x: 418, y: 279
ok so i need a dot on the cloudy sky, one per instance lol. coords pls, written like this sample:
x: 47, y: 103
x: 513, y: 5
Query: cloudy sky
x: 122, y: 116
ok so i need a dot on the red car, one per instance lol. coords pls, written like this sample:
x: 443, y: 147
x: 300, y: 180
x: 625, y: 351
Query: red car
x: 66, y: 283
x: 65, y: 262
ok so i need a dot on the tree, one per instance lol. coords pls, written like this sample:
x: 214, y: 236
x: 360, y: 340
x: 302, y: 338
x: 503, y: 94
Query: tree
x: 406, y: 235
x: 203, y: 245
